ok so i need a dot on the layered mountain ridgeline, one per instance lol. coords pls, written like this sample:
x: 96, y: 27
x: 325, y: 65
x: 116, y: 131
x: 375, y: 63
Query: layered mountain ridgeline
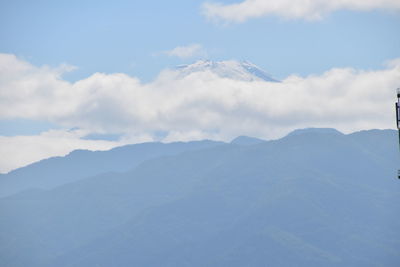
x: 314, y: 198
x: 56, y: 171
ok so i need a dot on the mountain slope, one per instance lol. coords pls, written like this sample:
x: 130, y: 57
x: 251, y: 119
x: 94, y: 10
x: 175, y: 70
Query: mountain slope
x: 53, y: 172
x: 245, y: 141
x: 243, y: 71
x: 312, y: 199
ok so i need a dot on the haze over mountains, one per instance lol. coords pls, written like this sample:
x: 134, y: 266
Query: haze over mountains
x: 316, y: 197
x: 53, y: 172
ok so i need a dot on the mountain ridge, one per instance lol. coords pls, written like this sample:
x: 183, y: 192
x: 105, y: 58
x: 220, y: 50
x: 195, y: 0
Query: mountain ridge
x: 21, y: 178
x: 231, y: 69
x: 308, y: 199
x: 55, y: 171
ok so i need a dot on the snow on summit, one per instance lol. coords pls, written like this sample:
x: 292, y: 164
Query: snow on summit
x: 243, y: 71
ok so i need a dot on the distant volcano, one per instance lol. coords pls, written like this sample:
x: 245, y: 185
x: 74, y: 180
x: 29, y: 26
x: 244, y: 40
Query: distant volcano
x: 243, y: 71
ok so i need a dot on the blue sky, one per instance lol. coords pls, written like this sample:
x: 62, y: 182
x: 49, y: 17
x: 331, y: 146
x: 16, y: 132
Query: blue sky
x: 328, y: 55
x: 125, y: 36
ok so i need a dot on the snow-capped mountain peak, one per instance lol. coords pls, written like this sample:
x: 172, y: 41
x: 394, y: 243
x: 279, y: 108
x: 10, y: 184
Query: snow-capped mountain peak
x: 244, y: 71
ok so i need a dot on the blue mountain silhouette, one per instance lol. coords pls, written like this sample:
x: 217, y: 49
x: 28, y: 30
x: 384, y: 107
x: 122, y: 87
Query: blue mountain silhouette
x: 312, y: 198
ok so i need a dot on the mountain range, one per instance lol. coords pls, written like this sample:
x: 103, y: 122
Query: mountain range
x: 53, y: 172
x: 316, y: 197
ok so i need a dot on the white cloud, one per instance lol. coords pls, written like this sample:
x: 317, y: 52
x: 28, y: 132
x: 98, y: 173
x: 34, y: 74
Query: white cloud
x: 23, y: 150
x: 393, y: 63
x: 197, y: 106
x: 189, y: 51
x: 33, y: 92
x: 290, y: 9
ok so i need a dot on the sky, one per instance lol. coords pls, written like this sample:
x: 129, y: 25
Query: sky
x: 99, y: 74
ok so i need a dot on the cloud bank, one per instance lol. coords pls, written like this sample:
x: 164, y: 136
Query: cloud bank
x: 24, y: 150
x: 195, y: 106
x: 290, y: 9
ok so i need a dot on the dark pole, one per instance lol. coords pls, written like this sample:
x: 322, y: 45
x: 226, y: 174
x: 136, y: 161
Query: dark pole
x: 398, y: 121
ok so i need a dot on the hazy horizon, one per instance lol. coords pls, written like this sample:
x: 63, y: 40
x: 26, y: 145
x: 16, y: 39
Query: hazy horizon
x: 199, y: 133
